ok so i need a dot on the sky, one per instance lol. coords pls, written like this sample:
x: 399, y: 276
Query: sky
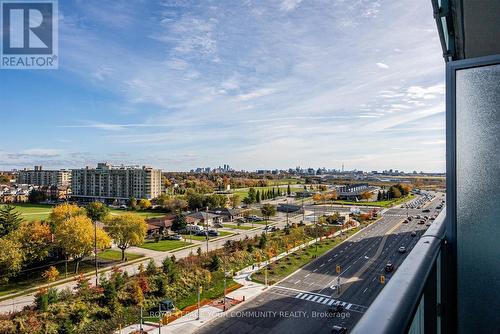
x: 254, y: 84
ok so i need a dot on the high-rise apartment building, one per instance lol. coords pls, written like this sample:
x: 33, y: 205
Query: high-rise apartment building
x: 40, y: 177
x: 115, y: 183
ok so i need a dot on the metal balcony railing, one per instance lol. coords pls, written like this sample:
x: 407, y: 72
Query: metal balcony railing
x: 399, y: 308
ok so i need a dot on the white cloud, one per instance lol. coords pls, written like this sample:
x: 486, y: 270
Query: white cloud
x: 256, y: 94
x: 382, y: 65
x: 289, y: 5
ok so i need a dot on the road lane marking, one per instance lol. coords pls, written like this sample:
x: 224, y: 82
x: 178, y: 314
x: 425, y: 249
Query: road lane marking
x: 331, y: 302
x: 320, y: 299
x: 314, y: 299
x: 300, y: 294
x: 307, y: 275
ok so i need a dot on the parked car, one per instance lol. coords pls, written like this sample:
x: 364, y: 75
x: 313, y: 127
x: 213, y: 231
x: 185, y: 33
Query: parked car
x: 402, y: 249
x: 213, y: 233
x: 174, y: 237
x: 389, y: 267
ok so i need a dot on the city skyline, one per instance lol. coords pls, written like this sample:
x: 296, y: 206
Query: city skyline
x: 258, y: 85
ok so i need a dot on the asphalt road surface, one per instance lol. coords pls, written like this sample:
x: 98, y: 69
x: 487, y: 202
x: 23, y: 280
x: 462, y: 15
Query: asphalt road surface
x: 300, y: 303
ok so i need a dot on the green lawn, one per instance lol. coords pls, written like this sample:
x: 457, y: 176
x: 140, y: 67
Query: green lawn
x: 164, y: 245
x: 116, y: 255
x: 187, y: 237
x: 41, y: 211
x: 288, y: 264
x: 145, y: 214
x: 386, y: 203
x: 33, y: 211
x: 240, y: 227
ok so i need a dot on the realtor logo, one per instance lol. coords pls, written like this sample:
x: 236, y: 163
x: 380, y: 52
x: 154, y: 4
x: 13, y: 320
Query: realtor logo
x: 29, y: 34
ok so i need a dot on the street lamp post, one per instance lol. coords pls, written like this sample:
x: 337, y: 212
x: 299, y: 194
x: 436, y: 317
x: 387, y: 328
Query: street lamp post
x: 206, y: 231
x: 95, y: 251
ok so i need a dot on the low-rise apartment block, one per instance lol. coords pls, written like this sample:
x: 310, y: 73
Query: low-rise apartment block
x: 40, y: 177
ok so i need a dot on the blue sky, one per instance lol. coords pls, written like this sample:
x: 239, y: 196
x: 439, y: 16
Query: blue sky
x: 255, y: 84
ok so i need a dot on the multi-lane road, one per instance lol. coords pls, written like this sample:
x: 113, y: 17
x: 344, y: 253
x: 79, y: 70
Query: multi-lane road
x: 300, y: 303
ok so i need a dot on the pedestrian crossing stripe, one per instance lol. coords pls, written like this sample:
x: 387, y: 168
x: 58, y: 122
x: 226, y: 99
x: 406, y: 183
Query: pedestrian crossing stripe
x: 330, y: 302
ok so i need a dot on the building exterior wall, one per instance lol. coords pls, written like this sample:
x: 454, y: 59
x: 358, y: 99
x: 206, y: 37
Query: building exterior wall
x: 40, y: 177
x: 119, y: 183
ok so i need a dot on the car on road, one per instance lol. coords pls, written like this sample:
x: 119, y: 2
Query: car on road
x: 405, y: 221
x: 174, y: 237
x: 336, y: 309
x: 213, y: 233
x: 413, y: 234
x: 255, y: 218
x: 389, y: 267
x: 402, y: 249
x: 421, y: 222
x: 339, y: 330
x: 426, y: 210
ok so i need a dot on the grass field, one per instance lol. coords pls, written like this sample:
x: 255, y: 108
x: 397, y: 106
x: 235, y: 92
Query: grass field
x: 187, y: 237
x: 239, y: 227
x: 288, y: 264
x: 164, y: 245
x: 41, y: 211
x: 383, y: 204
x: 116, y: 255
x: 145, y: 214
x: 33, y: 211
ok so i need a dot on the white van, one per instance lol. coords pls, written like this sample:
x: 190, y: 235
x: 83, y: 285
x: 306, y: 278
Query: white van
x: 194, y: 228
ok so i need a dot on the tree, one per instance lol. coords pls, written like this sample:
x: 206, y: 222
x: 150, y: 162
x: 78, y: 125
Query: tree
x: 366, y: 195
x: 215, y: 263
x: 379, y: 195
x: 63, y: 212
x: 11, y: 258
x: 97, y: 211
x: 252, y: 195
x: 288, y: 190
x: 10, y: 219
x: 235, y: 201
x: 127, y: 230
x: 151, y: 268
x: 268, y: 211
x: 36, y: 196
x: 257, y: 197
x: 132, y: 203
x: 179, y: 222
x: 51, y: 274
x: 317, y: 197
x: 35, y: 239
x: 144, y: 204
x: 75, y: 237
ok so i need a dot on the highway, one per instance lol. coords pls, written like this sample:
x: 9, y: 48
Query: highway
x: 300, y: 302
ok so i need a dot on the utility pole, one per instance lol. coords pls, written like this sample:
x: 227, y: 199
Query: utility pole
x: 140, y: 323
x: 95, y: 252
x: 206, y: 231
x: 160, y: 319
x: 265, y: 275
x: 199, y: 292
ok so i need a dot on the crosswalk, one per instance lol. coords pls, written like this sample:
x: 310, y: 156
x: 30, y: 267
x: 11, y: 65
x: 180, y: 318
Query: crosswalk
x: 321, y: 299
